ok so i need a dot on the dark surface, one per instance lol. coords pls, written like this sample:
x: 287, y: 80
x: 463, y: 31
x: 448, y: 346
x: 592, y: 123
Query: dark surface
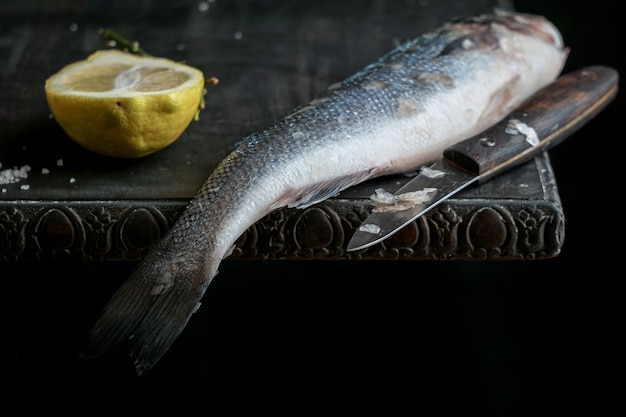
x: 270, y: 52
x: 305, y: 338
x: 270, y: 57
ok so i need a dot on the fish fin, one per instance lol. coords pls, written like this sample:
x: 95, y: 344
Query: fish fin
x: 318, y: 192
x: 146, y: 314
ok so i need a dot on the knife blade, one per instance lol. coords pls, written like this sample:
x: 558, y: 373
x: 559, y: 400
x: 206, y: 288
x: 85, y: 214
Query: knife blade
x: 540, y: 123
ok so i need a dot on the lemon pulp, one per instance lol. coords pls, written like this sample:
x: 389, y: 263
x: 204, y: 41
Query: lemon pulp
x: 126, y: 106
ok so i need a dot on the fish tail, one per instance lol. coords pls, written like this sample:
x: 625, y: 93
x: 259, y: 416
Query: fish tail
x: 144, y: 322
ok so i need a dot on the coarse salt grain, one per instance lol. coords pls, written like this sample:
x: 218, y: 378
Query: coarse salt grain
x: 13, y: 175
x: 431, y: 173
x: 370, y: 228
x: 516, y: 127
x: 384, y: 201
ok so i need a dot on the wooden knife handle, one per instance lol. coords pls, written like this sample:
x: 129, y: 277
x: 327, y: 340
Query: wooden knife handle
x: 542, y: 121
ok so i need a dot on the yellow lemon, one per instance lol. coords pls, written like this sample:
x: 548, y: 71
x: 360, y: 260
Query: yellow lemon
x: 122, y: 105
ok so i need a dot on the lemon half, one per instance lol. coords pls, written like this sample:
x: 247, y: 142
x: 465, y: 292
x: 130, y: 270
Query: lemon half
x: 122, y: 105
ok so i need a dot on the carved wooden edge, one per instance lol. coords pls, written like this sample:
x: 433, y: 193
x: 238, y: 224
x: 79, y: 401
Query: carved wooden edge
x: 116, y: 231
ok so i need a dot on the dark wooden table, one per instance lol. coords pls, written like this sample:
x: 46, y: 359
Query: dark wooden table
x: 269, y: 57
x: 317, y: 337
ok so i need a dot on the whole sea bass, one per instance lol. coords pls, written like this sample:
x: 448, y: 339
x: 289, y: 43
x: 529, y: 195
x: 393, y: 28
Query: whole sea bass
x: 393, y: 116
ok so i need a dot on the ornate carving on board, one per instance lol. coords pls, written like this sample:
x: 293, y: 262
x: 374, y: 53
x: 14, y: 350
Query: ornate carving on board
x: 456, y: 231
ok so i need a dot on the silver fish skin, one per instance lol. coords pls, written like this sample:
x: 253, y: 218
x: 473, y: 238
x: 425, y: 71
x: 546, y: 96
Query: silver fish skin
x: 393, y: 116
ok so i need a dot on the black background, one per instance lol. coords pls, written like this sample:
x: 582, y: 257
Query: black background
x: 292, y: 338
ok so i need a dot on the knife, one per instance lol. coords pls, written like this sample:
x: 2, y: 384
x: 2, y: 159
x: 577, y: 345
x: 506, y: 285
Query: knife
x: 541, y: 122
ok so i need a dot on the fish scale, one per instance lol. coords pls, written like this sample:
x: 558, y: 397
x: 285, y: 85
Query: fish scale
x: 393, y: 116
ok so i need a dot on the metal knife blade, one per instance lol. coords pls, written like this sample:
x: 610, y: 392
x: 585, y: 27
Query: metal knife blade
x: 541, y: 122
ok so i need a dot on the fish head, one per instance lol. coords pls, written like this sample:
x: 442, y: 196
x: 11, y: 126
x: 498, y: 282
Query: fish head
x: 535, y: 38
x: 529, y: 51
x: 504, y: 30
x: 532, y: 25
